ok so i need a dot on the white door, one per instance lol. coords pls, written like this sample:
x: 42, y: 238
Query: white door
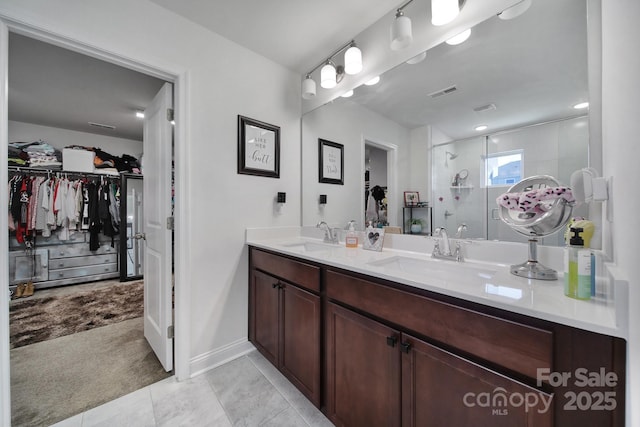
x: 5, y: 399
x: 158, y: 313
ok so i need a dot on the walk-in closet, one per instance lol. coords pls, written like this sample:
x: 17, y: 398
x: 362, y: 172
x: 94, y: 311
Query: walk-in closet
x: 76, y: 235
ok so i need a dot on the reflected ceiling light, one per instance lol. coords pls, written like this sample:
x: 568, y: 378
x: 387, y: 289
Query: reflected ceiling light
x: 373, y: 81
x: 347, y: 94
x: 444, y: 11
x: 140, y: 114
x: 515, y: 10
x: 332, y: 74
x: 328, y: 75
x: 581, y: 105
x: 481, y: 127
x: 353, y: 60
x: 401, y: 36
x: 308, y: 87
x: 460, y: 38
x: 417, y: 59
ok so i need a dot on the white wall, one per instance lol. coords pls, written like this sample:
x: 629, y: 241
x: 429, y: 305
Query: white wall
x: 224, y: 80
x: 60, y: 138
x: 349, y: 124
x: 621, y: 151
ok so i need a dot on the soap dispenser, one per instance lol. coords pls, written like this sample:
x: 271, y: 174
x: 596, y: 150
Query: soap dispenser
x: 351, y: 241
x: 577, y: 275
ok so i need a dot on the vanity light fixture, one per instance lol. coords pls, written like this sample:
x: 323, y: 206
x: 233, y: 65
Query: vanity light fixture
x: 353, y: 59
x: 480, y: 128
x: 460, y: 38
x: 581, y: 105
x: 373, y: 81
x: 140, y: 114
x: 308, y: 87
x: 444, y: 11
x: 328, y: 75
x: 332, y: 74
x: 347, y: 94
x: 401, y: 35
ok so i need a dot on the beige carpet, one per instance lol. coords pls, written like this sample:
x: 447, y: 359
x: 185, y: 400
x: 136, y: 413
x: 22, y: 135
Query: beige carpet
x: 55, y: 379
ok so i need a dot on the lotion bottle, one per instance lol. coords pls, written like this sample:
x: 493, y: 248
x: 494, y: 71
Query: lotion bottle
x: 351, y: 241
x: 577, y: 262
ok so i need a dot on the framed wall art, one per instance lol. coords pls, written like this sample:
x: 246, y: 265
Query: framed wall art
x: 258, y: 148
x: 330, y: 162
x: 411, y: 198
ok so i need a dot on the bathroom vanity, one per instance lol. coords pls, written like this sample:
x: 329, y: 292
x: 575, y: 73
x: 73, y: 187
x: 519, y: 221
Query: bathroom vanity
x: 372, y: 338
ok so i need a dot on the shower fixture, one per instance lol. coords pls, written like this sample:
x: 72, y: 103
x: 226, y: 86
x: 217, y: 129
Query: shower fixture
x: 451, y: 155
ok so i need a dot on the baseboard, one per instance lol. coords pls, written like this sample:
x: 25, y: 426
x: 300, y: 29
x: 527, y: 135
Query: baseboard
x: 214, y: 358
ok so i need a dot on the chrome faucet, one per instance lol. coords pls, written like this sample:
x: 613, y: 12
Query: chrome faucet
x: 461, y: 228
x: 445, y: 252
x: 330, y: 234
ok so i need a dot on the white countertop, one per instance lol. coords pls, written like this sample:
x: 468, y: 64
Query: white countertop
x: 483, y: 282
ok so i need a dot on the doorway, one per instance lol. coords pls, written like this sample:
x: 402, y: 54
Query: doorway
x: 379, y: 202
x: 4, y: 312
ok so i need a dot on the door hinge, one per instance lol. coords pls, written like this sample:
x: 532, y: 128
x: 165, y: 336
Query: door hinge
x: 170, y: 331
x: 169, y: 114
x: 170, y: 223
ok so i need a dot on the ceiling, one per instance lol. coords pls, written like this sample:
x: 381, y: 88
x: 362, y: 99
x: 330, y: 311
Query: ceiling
x: 56, y: 87
x: 297, y: 34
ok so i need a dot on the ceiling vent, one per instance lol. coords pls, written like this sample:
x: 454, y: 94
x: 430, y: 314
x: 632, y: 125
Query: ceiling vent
x: 442, y: 92
x: 103, y: 126
x: 487, y: 107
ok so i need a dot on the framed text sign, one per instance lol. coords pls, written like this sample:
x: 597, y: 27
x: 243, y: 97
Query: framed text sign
x: 258, y: 148
x: 331, y: 162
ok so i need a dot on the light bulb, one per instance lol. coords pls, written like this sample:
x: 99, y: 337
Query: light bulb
x: 353, y: 60
x: 401, y: 36
x: 373, y: 81
x: 328, y: 76
x: 308, y: 88
x: 444, y: 11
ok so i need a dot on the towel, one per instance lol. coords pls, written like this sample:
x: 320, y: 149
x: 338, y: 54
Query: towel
x: 534, y: 200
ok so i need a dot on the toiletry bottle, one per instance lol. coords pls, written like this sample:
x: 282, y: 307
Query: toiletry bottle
x: 578, y: 261
x: 351, y: 240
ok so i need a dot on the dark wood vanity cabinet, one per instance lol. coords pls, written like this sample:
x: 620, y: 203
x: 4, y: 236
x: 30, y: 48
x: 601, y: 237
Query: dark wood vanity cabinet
x: 393, y: 355
x: 284, y: 318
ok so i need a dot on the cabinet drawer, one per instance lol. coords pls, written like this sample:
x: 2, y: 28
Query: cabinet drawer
x: 82, y: 249
x: 515, y: 346
x: 303, y: 275
x: 89, y: 270
x: 81, y: 261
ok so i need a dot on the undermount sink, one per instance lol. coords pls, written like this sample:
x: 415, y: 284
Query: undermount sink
x: 445, y: 270
x: 308, y: 246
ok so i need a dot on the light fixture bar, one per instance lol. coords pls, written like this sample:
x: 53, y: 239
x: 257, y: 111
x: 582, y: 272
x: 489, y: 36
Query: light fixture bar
x: 347, y: 45
x: 403, y: 6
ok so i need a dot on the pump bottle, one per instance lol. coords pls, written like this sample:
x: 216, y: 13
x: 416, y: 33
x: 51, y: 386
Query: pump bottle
x: 577, y: 275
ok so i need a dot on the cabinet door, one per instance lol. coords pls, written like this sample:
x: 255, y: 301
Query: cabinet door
x: 265, y: 292
x: 300, y: 323
x: 440, y: 388
x: 363, y: 370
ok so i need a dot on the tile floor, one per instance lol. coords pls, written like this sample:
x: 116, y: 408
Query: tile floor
x: 247, y: 391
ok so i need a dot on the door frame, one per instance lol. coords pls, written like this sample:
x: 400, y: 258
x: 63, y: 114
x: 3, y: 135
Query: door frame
x: 180, y: 78
x: 392, y: 176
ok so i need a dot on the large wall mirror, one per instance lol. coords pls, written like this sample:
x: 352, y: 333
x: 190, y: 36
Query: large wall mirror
x: 520, y: 77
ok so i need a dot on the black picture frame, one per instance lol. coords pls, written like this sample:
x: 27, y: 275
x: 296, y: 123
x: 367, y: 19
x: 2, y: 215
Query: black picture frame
x: 330, y: 162
x: 258, y: 148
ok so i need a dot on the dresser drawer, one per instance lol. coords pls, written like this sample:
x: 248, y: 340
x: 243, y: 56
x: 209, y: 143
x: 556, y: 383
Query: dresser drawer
x: 515, y: 346
x: 81, y: 261
x: 297, y: 272
x: 88, y: 270
x: 77, y: 250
